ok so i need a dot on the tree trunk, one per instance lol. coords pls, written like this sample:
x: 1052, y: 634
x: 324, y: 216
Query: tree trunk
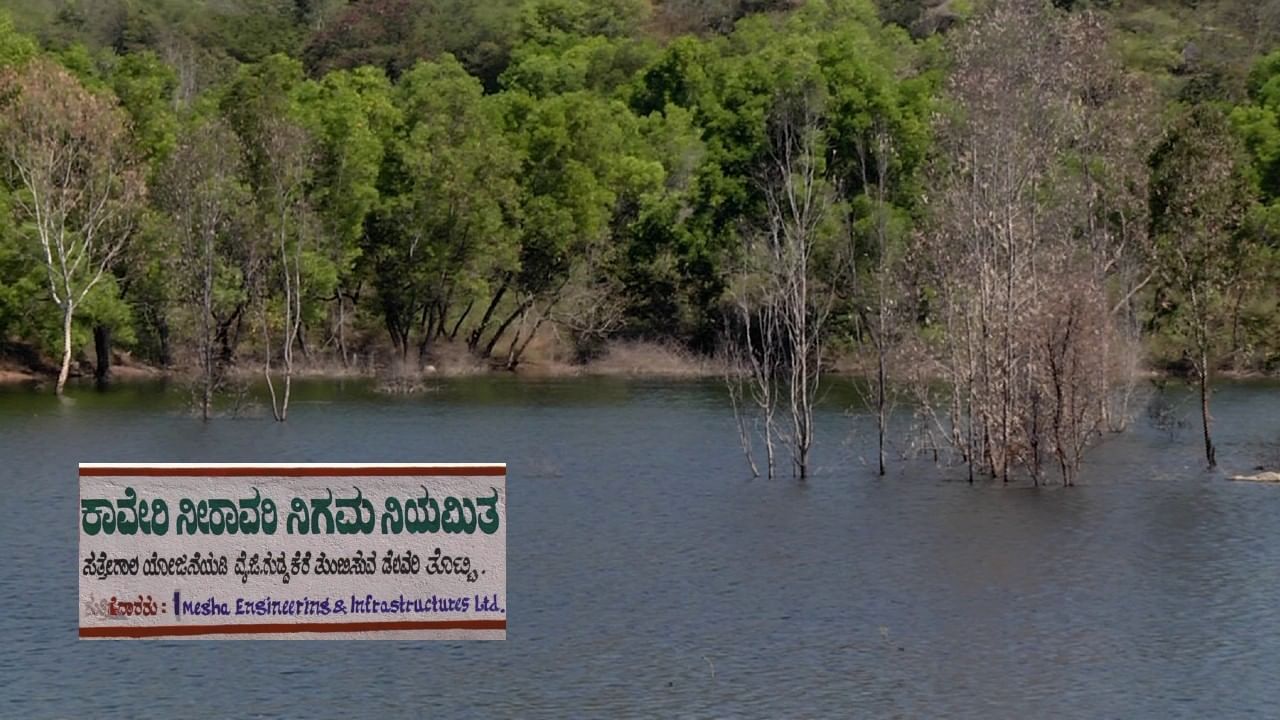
x: 206, y: 396
x: 424, y: 351
x: 453, y: 335
x: 428, y: 330
x: 162, y: 334
x: 397, y: 328
x: 880, y: 405
x: 342, y: 323
x: 1210, y: 452
x: 502, y: 329
x: 67, y: 311
x: 228, y: 336
x: 474, y: 341
x: 516, y: 353
x: 288, y: 386
x: 442, y: 319
x: 266, y: 368
x: 102, y: 349
x: 302, y: 344
x: 207, y: 361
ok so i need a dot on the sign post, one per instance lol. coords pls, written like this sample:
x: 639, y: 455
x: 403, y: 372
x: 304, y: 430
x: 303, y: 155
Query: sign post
x: 278, y: 551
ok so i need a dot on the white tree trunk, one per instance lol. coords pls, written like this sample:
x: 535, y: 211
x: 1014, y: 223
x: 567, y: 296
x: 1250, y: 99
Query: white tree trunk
x: 68, y: 310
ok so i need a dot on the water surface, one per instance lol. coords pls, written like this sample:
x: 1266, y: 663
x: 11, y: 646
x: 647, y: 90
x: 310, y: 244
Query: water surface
x: 650, y: 576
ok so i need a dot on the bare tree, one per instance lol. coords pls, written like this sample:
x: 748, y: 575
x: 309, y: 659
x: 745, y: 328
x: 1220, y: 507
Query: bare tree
x: 287, y: 222
x: 1035, y: 236
x: 1102, y: 186
x: 594, y: 307
x: 984, y: 247
x: 792, y: 305
x: 199, y: 188
x: 874, y: 291
x: 1065, y: 415
x: 753, y: 367
x: 1258, y: 21
x: 68, y: 150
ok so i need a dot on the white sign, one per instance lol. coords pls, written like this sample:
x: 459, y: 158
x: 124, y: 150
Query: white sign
x: 293, y: 551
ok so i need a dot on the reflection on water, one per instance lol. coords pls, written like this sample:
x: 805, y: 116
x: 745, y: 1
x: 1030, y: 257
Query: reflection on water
x: 649, y: 576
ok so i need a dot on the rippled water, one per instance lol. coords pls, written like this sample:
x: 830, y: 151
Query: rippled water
x: 649, y: 576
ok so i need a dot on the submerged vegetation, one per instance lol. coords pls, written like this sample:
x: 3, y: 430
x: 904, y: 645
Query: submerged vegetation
x: 1028, y: 201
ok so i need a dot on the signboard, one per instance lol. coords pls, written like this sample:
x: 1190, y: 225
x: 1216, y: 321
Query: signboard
x: 293, y: 551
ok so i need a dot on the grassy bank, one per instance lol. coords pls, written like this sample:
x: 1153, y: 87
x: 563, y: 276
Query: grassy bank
x: 617, y: 359
x: 548, y: 359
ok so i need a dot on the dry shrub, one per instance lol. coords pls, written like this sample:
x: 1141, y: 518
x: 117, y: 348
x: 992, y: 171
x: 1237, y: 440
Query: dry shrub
x: 452, y: 359
x: 637, y: 358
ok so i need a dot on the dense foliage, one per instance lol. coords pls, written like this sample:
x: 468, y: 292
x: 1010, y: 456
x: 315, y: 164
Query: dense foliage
x: 364, y: 180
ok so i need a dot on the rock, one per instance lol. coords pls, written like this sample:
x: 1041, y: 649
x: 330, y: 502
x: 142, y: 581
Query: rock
x: 1262, y: 477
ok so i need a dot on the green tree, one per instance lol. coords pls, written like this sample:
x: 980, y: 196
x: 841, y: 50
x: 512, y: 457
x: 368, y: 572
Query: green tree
x: 145, y: 87
x: 583, y: 162
x: 68, y: 154
x: 18, y: 265
x: 445, y: 228
x: 598, y: 64
x: 550, y: 21
x: 15, y: 48
x: 1199, y: 198
x: 1257, y: 122
x: 352, y: 116
x: 289, y: 269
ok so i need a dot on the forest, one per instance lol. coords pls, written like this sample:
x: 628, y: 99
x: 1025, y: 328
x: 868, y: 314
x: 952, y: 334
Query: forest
x: 1005, y: 211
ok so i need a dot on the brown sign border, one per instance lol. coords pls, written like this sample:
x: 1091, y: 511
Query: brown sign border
x: 289, y: 470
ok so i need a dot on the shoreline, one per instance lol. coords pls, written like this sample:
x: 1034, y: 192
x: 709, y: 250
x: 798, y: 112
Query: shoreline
x: 622, y: 359
x: 529, y: 370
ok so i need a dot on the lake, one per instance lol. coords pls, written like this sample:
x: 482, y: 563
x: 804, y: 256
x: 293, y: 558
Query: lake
x: 650, y: 576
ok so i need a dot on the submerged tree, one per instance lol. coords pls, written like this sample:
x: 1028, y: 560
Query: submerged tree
x: 874, y: 297
x: 68, y: 151
x: 201, y: 192
x: 783, y: 320
x: 285, y: 217
x: 1027, y: 249
x: 1199, y: 198
x: 278, y: 158
x: 878, y: 145
x: 798, y: 201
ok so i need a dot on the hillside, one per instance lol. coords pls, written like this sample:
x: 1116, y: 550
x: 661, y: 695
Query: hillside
x: 388, y: 182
